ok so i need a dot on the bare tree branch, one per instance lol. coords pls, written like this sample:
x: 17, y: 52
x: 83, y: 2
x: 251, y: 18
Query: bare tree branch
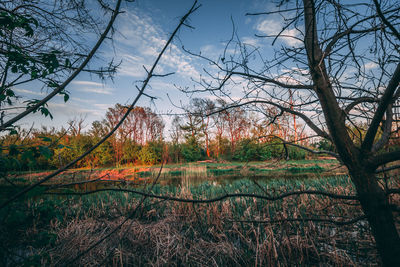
x: 61, y: 87
x: 387, y: 23
x: 384, y: 102
x: 131, y: 107
x: 307, y: 120
x: 384, y: 158
x: 211, y: 200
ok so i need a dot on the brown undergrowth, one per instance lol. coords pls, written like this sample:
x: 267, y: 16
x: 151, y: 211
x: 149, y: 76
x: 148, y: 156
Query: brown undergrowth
x: 232, y: 232
x: 214, y: 235
x: 181, y: 239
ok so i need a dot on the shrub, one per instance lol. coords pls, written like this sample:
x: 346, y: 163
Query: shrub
x: 191, y: 150
x: 151, y: 153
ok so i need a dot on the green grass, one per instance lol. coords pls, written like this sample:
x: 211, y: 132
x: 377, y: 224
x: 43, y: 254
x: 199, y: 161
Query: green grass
x: 218, y: 172
x: 175, y: 173
x: 314, y: 169
x: 144, y: 174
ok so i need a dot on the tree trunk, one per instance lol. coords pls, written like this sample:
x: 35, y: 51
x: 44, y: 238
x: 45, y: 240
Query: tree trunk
x: 375, y: 205
x: 207, y: 147
x: 373, y: 199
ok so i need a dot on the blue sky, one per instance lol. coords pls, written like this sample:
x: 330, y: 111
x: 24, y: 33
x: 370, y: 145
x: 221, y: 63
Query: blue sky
x: 141, y: 32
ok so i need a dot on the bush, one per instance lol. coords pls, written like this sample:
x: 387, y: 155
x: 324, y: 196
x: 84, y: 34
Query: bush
x: 247, y: 150
x: 175, y: 153
x: 131, y: 152
x: 272, y: 150
x: 296, y: 153
x: 191, y: 150
x: 151, y: 153
x: 325, y: 145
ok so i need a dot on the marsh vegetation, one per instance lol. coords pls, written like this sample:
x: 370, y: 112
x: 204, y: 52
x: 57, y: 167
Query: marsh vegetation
x: 59, y: 220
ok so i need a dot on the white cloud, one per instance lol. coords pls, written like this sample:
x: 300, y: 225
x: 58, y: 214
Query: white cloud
x: 229, y: 100
x: 104, y: 91
x: 92, y: 87
x: 370, y: 65
x: 274, y: 27
x: 58, y: 109
x: 141, y: 40
x: 238, y: 79
x: 24, y: 91
x: 211, y: 51
x: 86, y: 101
x: 103, y: 107
x: 251, y: 41
x: 88, y: 83
x: 301, y: 71
x: 288, y: 80
x: 131, y: 70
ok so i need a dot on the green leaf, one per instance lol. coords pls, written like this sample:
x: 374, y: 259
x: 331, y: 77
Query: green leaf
x: 34, y: 74
x: 52, y: 84
x: 45, y: 111
x: 14, y: 69
x: 45, y: 151
x: 68, y: 63
x: 28, y: 155
x: 66, y: 97
x: 45, y: 138
x: 13, y: 150
x: 13, y: 132
x: 10, y: 92
x: 28, y: 31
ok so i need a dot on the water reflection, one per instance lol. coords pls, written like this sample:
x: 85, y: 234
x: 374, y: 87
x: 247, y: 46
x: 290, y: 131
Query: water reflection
x: 194, y: 175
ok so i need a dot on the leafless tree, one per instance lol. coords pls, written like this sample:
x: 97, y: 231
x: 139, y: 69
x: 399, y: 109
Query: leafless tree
x: 335, y: 67
x: 176, y: 131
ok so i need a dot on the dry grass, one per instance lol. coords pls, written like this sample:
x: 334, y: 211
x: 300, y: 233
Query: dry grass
x: 232, y: 232
x: 213, y: 235
x: 177, y: 241
x: 162, y: 243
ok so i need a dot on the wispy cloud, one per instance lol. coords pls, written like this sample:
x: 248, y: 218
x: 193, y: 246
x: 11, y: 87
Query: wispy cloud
x: 141, y: 40
x: 104, y: 91
x: 92, y: 87
x: 87, y: 83
x: 103, y: 107
x: 24, y: 91
x: 58, y: 109
x: 370, y: 65
x: 251, y: 41
x: 86, y: 101
x: 274, y: 27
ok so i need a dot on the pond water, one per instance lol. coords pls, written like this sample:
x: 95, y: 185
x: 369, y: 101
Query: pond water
x: 189, y: 177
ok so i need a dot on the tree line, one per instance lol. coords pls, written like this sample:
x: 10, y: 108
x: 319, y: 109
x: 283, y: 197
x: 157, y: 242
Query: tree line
x: 237, y: 134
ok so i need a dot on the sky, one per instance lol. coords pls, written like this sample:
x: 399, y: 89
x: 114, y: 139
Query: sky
x: 141, y: 32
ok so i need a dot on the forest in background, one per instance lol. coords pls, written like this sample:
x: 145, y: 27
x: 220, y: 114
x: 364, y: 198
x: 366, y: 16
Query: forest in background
x: 234, y: 135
